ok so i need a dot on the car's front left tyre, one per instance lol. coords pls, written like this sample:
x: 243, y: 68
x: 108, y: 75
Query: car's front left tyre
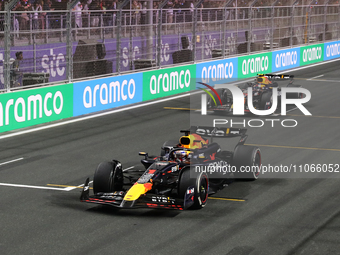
x: 108, y: 177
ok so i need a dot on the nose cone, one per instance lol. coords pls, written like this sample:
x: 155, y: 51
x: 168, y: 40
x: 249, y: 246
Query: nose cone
x: 137, y: 190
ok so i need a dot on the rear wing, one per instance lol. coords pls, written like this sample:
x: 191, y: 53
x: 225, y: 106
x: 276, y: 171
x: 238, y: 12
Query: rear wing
x: 277, y: 76
x: 212, y: 132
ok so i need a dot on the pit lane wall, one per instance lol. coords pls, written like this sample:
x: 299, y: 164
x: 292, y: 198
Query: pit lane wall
x: 31, y: 107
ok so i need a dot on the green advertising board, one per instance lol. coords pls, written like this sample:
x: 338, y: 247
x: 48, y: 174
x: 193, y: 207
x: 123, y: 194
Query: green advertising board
x: 35, y: 106
x: 249, y: 66
x: 311, y: 54
x: 169, y: 81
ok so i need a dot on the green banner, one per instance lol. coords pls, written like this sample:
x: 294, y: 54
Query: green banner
x: 249, y: 66
x: 35, y: 106
x: 311, y: 54
x: 166, y: 82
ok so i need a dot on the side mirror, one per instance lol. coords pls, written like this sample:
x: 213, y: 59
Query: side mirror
x: 145, y: 154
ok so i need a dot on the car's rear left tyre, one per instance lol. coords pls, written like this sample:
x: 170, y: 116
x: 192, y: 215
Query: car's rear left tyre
x: 247, y: 160
x: 108, y: 177
x: 199, y: 181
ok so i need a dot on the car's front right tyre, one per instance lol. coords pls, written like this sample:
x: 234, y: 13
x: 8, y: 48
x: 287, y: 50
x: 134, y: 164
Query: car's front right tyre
x: 200, y: 183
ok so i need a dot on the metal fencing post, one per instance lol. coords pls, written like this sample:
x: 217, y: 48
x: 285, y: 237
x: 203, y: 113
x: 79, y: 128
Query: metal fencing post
x: 119, y: 30
x: 338, y: 32
x: 325, y: 20
x: 69, y: 43
x: 250, y: 32
x: 7, y: 34
x: 194, y: 30
x: 272, y: 28
x: 292, y: 23
x: 225, y: 26
x: 61, y: 34
x: 308, y: 21
x: 159, y: 29
x: 101, y: 26
x: 149, y: 30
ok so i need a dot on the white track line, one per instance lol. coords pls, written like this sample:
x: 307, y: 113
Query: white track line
x: 128, y: 168
x: 49, y: 188
x: 72, y: 188
x: 290, y: 110
x: 40, y: 187
x: 82, y: 185
x: 10, y: 161
x: 315, y: 77
x: 30, y: 186
x: 318, y: 80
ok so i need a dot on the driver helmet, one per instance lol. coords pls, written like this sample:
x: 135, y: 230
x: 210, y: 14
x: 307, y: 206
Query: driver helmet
x: 263, y: 80
x: 182, y: 155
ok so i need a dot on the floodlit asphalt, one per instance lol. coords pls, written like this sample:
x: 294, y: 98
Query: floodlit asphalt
x: 279, y: 215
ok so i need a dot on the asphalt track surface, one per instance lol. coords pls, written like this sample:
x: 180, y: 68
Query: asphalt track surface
x: 273, y: 216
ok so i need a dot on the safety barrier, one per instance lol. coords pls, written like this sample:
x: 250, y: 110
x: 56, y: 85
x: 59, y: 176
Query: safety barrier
x: 41, y: 105
x: 119, y: 39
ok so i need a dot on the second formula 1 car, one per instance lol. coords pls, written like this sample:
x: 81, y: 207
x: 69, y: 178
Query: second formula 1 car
x: 262, y: 93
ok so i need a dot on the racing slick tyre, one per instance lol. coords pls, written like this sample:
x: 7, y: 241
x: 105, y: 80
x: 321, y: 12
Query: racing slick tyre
x: 247, y: 160
x: 211, y: 102
x: 226, y: 97
x: 265, y: 98
x: 199, y: 181
x: 108, y: 177
x: 301, y: 95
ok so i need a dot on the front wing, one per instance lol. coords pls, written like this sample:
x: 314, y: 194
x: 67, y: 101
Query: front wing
x: 221, y: 108
x: 116, y: 199
x: 225, y: 108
